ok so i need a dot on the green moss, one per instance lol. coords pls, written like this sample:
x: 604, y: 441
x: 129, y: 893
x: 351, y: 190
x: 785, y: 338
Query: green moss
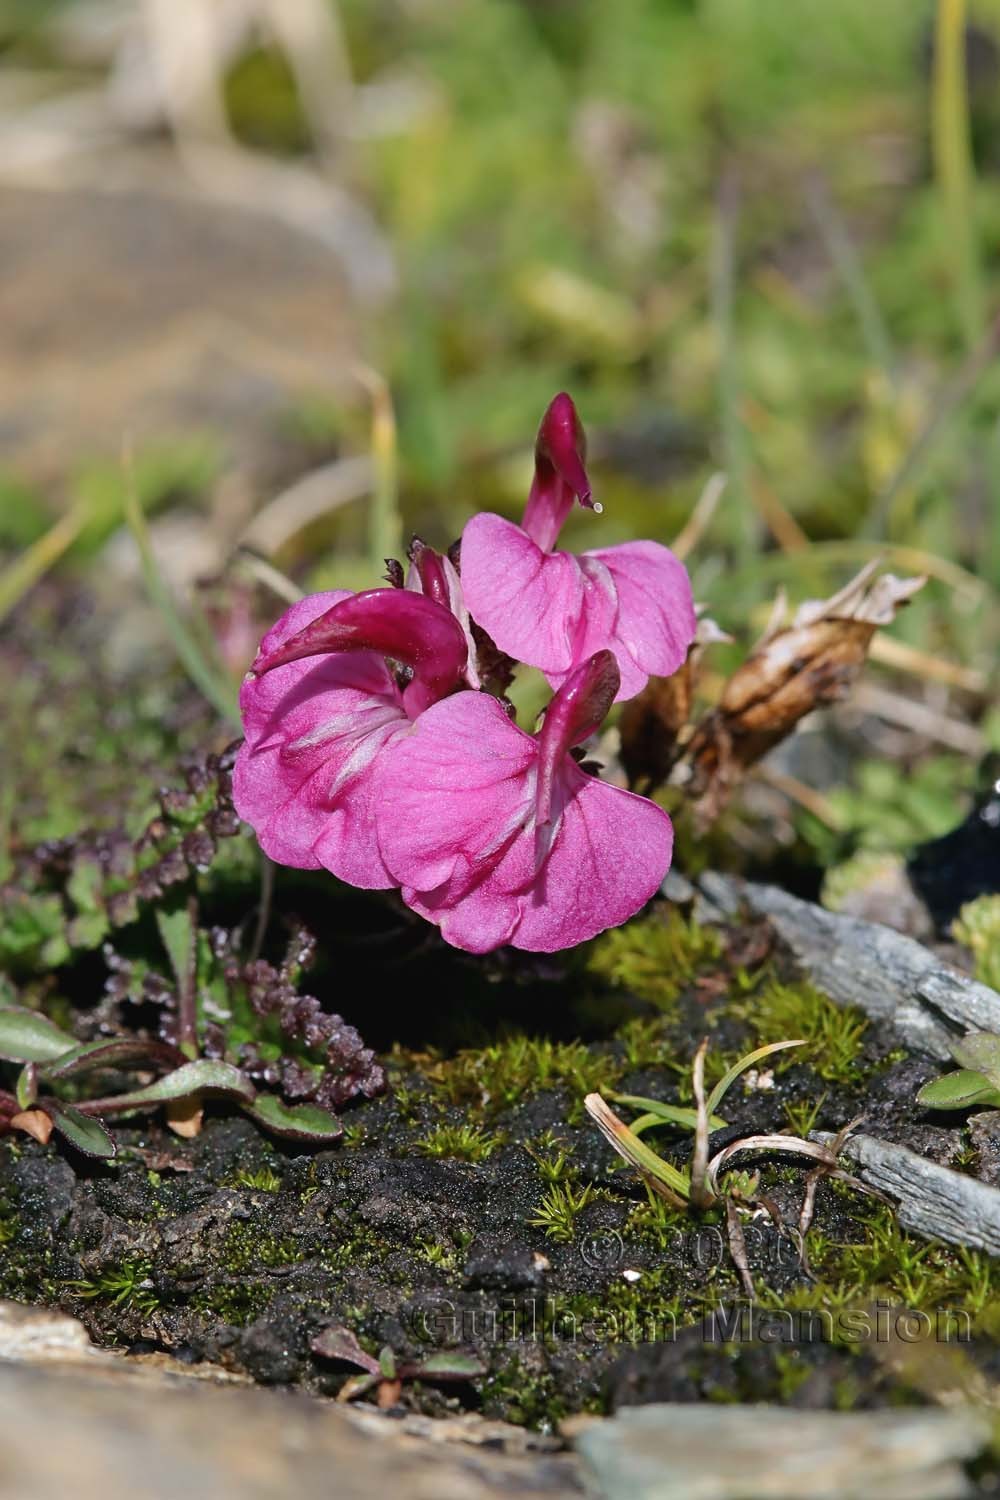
x: 801, y: 1116
x: 835, y: 1033
x: 558, y: 1210
x: 237, y: 1303
x: 550, y: 1156
x: 125, y: 1286
x: 656, y: 958
x: 463, y: 1142
x: 504, y: 1072
x: 527, y: 1396
x: 246, y: 1247
x: 262, y: 1179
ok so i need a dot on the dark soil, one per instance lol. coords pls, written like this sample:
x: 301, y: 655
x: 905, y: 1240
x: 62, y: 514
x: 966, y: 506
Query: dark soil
x: 234, y: 1249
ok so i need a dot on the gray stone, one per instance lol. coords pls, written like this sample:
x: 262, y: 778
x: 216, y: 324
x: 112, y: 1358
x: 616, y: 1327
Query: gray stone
x: 686, y: 1452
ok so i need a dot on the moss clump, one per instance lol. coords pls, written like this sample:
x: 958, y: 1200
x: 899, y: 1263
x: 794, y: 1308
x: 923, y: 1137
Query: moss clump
x: 835, y: 1033
x: 977, y: 926
x: 259, y: 1179
x: 246, y: 1248
x: 463, y: 1142
x: 500, y: 1075
x: 557, y: 1213
x: 236, y: 1303
x: 655, y: 959
x: 126, y: 1286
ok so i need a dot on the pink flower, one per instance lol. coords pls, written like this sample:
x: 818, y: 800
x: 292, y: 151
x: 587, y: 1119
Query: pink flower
x: 320, y: 707
x: 552, y: 609
x: 498, y: 836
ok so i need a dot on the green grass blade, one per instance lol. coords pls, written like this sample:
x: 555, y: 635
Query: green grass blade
x: 953, y: 165
x: 724, y: 1084
x: 207, y: 678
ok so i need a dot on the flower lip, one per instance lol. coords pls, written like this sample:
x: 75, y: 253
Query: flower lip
x: 577, y: 709
x: 409, y: 627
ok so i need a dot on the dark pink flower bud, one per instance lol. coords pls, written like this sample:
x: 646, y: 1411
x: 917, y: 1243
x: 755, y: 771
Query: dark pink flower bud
x: 560, y: 475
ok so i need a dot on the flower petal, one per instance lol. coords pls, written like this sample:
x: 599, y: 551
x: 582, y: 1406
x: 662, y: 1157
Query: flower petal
x: 456, y: 830
x: 456, y: 790
x: 533, y: 604
x: 656, y: 622
x: 303, y: 777
x: 609, y: 856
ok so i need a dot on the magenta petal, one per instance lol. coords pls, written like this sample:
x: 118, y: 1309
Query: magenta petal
x: 455, y: 792
x: 314, y: 728
x: 608, y: 858
x: 560, y: 472
x: 527, y: 600
x: 394, y: 622
x: 457, y: 831
x: 457, y: 795
x: 655, y: 624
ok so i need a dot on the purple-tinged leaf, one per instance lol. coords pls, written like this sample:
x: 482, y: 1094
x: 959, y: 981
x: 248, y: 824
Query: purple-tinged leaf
x: 113, y: 1052
x: 86, y: 1134
x: 340, y: 1343
x: 193, y: 1078
x: 297, y: 1122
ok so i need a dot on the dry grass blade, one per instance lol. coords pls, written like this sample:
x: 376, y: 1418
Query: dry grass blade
x: 785, y: 1143
x: 318, y: 494
x: 658, y: 1175
x: 738, y: 1247
x: 701, y: 1195
x: 701, y: 517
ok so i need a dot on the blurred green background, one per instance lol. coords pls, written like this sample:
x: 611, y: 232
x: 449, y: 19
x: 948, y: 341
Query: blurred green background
x: 749, y: 237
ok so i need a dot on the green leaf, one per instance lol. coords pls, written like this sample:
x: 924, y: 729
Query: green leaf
x: 670, y: 1114
x: 82, y: 1131
x: 448, y: 1366
x: 635, y: 1151
x: 387, y: 1363
x: 26, y: 1036
x: 193, y: 1078
x: 981, y: 1053
x: 207, y: 675
x: 86, y: 885
x: 111, y: 1052
x: 177, y: 933
x: 26, y: 1088
x: 299, y: 1122
x: 958, y: 1091
x: 723, y: 1086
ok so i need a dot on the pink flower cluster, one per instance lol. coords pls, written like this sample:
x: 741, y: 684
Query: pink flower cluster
x: 379, y: 745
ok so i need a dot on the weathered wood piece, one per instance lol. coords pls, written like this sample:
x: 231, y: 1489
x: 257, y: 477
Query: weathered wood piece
x: 889, y: 976
x: 932, y: 1200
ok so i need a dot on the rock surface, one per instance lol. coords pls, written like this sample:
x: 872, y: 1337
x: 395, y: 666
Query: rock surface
x: 101, y: 1426
x: 760, y: 1453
